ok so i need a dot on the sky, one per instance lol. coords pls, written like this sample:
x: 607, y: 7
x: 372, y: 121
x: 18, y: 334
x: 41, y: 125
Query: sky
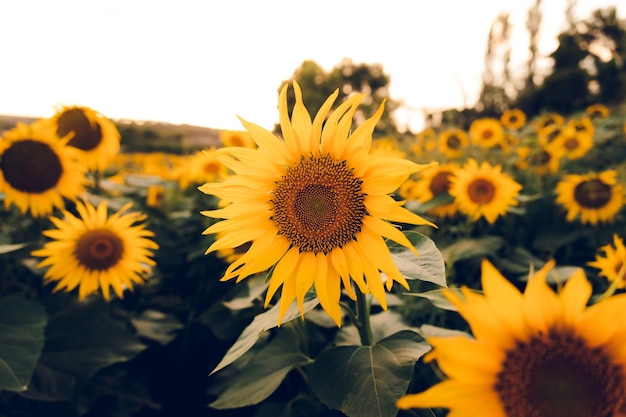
x: 204, y: 62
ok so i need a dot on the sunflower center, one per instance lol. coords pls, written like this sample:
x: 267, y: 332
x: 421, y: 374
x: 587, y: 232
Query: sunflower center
x: 481, y: 191
x: 592, y: 194
x: 211, y: 167
x: 513, y: 119
x: 453, y: 142
x: 487, y: 134
x: 558, y: 375
x: 86, y: 136
x: 440, y: 183
x: 553, y: 135
x: 99, y: 249
x: 319, y: 205
x: 571, y: 144
x: 31, y: 166
x: 540, y: 158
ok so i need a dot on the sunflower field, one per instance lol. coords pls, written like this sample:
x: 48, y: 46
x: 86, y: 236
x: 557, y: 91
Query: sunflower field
x: 320, y: 271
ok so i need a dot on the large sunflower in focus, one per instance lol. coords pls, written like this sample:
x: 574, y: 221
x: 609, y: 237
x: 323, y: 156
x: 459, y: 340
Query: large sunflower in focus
x: 435, y: 181
x: 37, y: 170
x: 90, y: 132
x: 596, y: 197
x: 315, y: 206
x: 97, y: 251
x: 486, y: 132
x: 537, y: 354
x: 613, y: 264
x: 483, y: 190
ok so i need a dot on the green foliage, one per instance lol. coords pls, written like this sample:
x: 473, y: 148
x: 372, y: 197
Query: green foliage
x: 22, y: 324
x: 366, y: 381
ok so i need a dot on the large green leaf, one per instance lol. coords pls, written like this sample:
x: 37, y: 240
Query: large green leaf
x: 366, y: 381
x: 22, y: 324
x: 84, y: 339
x: 428, y: 266
x: 261, y: 323
x: 264, y: 373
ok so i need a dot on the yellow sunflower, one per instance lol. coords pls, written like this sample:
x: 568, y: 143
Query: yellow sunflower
x: 539, y: 354
x: 90, y: 132
x: 96, y: 250
x: 613, y: 265
x: 314, y: 206
x: 486, y: 132
x: 452, y: 142
x: 597, y: 110
x: 239, y: 138
x: 575, y: 143
x: 547, y: 120
x: 550, y: 134
x: 513, y: 119
x: 37, y: 169
x: 545, y: 159
x: 483, y: 191
x: 434, y: 181
x: 596, y: 197
x: 203, y: 166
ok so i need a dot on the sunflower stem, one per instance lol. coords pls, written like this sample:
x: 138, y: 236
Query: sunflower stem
x: 363, y: 319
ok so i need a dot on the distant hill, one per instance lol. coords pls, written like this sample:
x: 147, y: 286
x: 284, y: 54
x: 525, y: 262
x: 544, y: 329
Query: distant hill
x: 148, y: 136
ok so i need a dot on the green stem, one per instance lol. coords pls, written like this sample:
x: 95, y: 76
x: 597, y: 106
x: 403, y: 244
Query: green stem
x: 363, y: 319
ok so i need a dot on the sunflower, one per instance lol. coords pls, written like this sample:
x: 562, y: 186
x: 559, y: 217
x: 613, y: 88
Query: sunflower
x: 37, y: 170
x: 387, y: 146
x: 597, y: 197
x: 539, y: 353
x: 239, y: 138
x: 483, y: 190
x: 550, y: 134
x: 486, y: 132
x: 575, y: 143
x: 597, y: 111
x: 314, y: 206
x: 613, y: 265
x: 550, y: 119
x: 90, y: 132
x: 435, y: 181
x: 452, y: 142
x: 97, y: 251
x: 545, y: 159
x: 155, y: 195
x: 203, y: 166
x: 513, y: 119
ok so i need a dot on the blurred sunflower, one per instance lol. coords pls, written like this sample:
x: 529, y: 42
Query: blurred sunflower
x: 483, y: 190
x: 435, y: 181
x: 536, y: 354
x: 387, y: 147
x: 550, y: 119
x: 97, y: 251
x: 486, y: 132
x: 452, y: 142
x: 90, y: 132
x: 509, y: 143
x: 314, y: 206
x: 596, y: 197
x: 597, y: 111
x: 513, y: 119
x: 613, y: 264
x: 550, y: 134
x: 239, y: 138
x: 203, y: 166
x: 575, y: 144
x: 37, y: 169
x: 545, y: 159
x: 584, y: 125
x: 155, y: 195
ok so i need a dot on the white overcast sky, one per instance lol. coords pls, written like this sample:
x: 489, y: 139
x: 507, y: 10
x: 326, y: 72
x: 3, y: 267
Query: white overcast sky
x: 204, y: 62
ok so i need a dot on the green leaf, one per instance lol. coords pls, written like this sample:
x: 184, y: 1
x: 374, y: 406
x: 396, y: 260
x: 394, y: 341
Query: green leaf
x: 438, y: 200
x: 22, y: 324
x: 255, y: 287
x: 428, y: 266
x: 264, y: 373
x: 436, y: 297
x: 156, y: 325
x: 471, y: 248
x: 366, y: 381
x: 261, y: 323
x: 83, y: 339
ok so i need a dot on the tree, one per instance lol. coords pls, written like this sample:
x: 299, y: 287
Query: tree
x: 369, y: 79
